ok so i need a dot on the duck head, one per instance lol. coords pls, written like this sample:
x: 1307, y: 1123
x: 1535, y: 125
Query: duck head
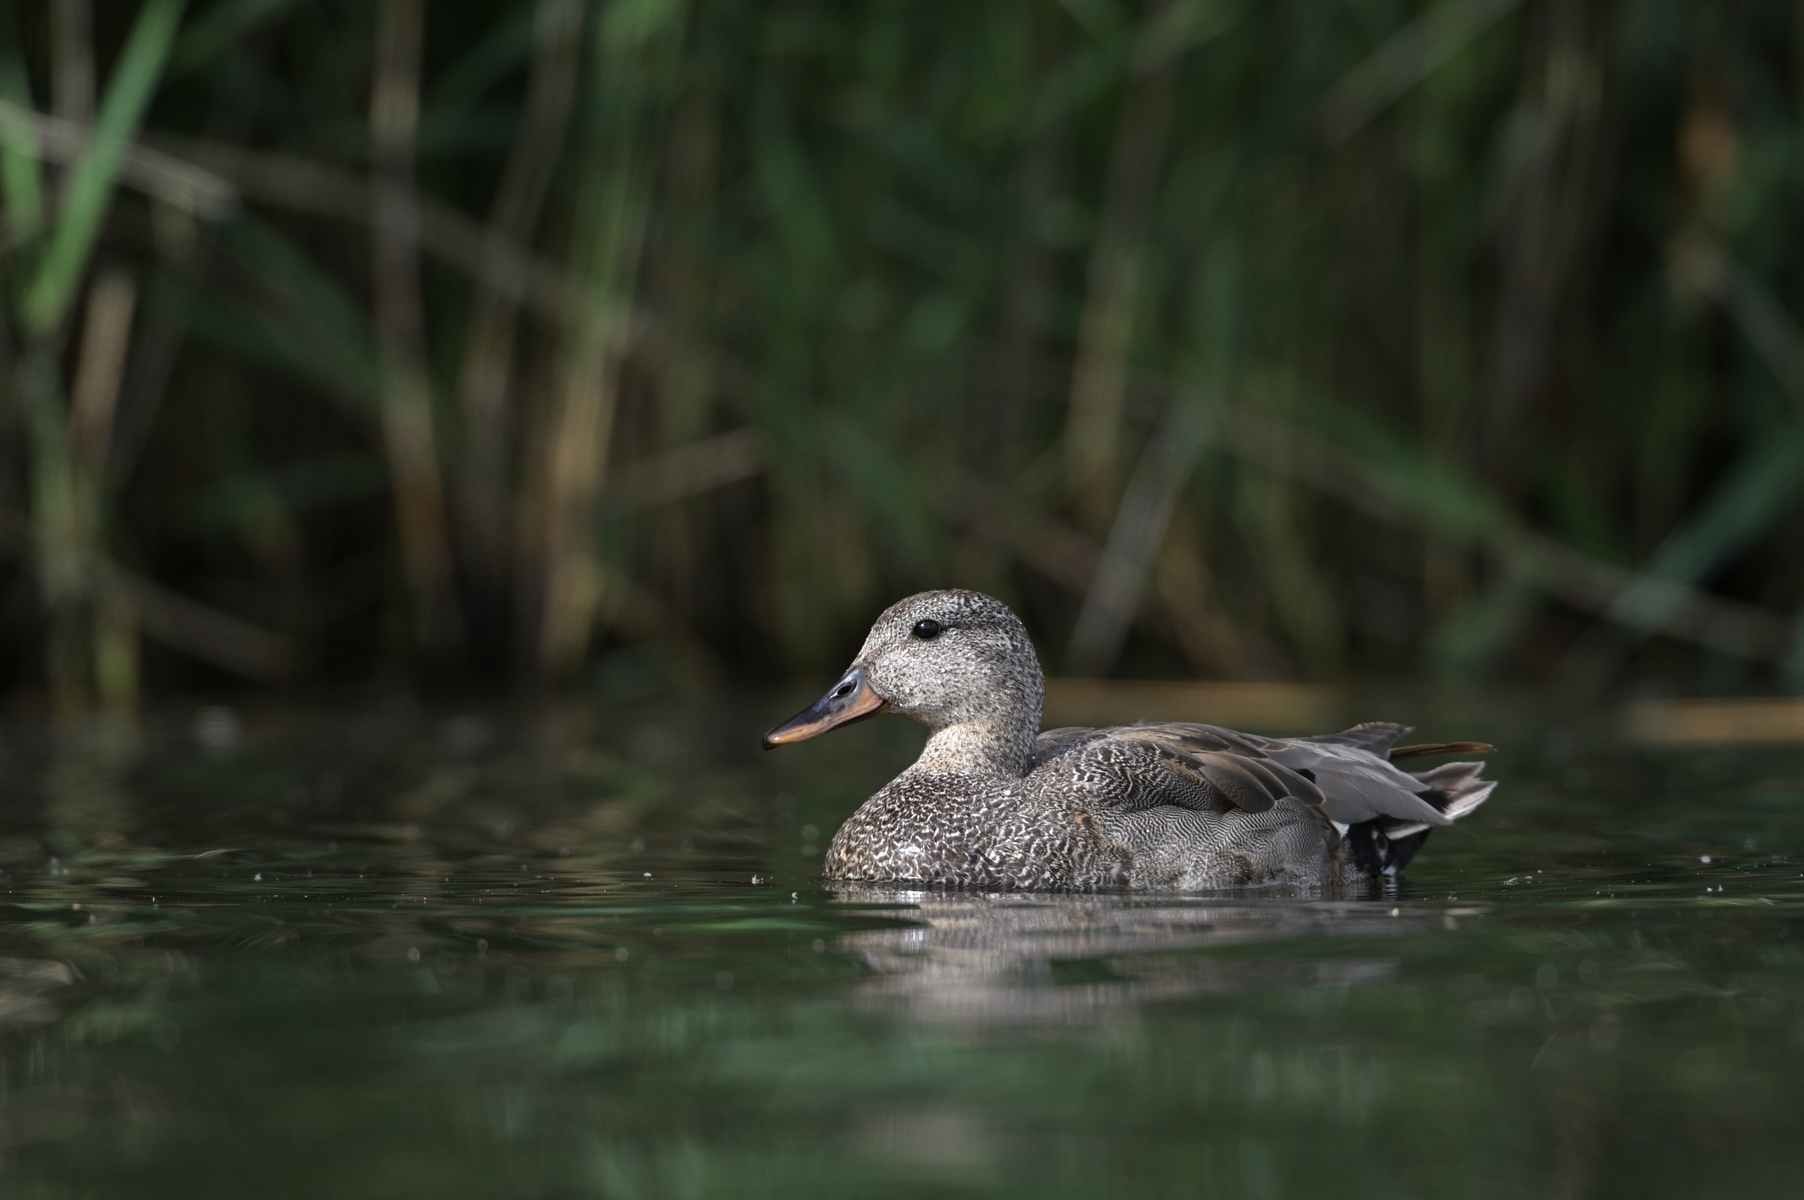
x: 950, y: 660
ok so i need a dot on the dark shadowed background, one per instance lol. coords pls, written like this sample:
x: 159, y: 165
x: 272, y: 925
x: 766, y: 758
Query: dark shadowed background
x: 479, y: 346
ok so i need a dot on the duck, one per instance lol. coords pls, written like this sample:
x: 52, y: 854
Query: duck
x: 994, y: 803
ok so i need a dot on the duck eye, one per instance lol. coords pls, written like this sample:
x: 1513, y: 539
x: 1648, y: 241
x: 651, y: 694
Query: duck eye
x: 928, y: 630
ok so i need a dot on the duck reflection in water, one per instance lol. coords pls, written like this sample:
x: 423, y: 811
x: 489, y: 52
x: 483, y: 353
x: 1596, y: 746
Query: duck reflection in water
x: 1008, y: 957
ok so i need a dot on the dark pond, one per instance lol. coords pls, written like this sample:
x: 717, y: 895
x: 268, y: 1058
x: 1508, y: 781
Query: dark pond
x: 567, y: 955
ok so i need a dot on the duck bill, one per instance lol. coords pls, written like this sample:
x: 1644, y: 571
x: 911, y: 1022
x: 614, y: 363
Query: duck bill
x: 851, y: 699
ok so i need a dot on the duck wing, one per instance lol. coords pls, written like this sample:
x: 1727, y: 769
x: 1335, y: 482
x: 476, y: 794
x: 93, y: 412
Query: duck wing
x: 1132, y: 768
x: 1348, y: 776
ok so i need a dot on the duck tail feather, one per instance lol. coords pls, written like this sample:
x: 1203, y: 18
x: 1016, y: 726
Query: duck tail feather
x: 1468, y: 801
x: 1385, y: 846
x: 1457, y: 788
x: 1429, y: 749
x: 1376, y: 736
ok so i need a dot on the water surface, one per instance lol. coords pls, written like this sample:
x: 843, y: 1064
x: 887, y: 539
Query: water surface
x: 493, y: 955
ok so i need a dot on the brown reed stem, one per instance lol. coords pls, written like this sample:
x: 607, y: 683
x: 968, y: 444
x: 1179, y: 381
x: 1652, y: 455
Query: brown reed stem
x: 406, y: 402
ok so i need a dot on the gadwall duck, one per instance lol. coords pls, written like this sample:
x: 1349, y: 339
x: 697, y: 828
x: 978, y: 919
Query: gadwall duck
x: 994, y: 804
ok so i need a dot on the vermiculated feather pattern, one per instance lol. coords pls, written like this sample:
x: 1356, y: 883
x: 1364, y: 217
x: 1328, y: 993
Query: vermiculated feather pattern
x: 993, y: 804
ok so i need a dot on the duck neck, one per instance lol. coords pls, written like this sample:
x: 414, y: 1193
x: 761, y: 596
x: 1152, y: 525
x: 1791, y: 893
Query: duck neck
x: 977, y: 747
x: 991, y: 729
x: 996, y: 742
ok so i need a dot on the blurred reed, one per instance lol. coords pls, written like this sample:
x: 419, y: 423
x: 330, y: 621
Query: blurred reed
x: 1244, y: 341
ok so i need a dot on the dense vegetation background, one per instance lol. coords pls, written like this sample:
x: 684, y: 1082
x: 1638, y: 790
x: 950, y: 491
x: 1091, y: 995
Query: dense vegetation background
x: 497, y: 343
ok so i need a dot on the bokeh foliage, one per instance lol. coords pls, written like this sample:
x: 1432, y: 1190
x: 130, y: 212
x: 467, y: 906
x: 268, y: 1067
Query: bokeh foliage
x: 1226, y: 338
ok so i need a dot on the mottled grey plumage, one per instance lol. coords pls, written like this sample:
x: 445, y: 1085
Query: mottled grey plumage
x: 992, y: 803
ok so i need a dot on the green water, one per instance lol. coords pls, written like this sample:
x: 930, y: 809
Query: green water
x: 587, y: 955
